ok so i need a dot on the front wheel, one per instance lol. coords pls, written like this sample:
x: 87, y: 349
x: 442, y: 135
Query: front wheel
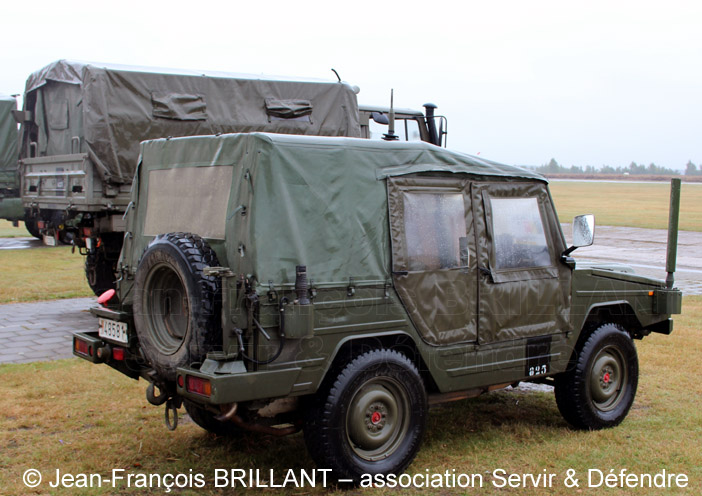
x: 371, y: 420
x: 600, y: 389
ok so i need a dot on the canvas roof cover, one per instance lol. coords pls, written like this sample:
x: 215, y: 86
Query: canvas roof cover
x: 312, y: 201
x: 119, y: 106
x: 8, y: 141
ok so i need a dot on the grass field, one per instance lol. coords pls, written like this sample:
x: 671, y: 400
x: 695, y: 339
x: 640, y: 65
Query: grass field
x: 627, y: 204
x: 7, y: 230
x: 41, y: 274
x: 84, y: 418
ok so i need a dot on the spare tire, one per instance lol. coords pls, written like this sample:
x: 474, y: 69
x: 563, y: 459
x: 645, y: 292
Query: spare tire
x: 177, y: 309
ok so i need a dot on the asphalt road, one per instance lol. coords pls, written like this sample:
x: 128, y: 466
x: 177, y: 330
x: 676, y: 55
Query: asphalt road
x: 42, y: 331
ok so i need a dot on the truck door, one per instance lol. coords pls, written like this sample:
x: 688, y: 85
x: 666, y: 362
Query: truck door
x: 434, y: 256
x: 524, y: 288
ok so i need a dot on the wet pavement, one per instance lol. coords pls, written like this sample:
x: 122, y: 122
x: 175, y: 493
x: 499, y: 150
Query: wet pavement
x: 20, y: 243
x: 42, y: 331
x: 645, y: 251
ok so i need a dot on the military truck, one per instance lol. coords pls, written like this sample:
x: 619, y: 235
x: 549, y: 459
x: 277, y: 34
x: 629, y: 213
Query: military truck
x: 10, y: 204
x: 341, y: 286
x: 82, y: 124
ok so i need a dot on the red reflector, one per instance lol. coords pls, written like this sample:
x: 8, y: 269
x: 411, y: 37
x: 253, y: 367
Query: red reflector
x: 118, y: 353
x: 199, y: 386
x: 81, y: 347
x: 180, y: 381
x: 106, y: 296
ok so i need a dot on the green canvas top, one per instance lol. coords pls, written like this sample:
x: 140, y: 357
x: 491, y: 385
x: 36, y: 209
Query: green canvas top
x: 388, y: 158
x: 8, y: 142
x: 314, y: 201
x: 111, y: 108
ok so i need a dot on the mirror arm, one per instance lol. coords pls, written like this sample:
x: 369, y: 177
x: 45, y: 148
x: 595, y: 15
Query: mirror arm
x: 568, y: 251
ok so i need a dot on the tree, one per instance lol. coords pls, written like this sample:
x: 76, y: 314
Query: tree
x: 691, y: 169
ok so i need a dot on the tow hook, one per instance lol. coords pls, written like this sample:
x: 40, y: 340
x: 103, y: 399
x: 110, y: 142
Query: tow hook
x: 172, y: 405
x: 151, y: 395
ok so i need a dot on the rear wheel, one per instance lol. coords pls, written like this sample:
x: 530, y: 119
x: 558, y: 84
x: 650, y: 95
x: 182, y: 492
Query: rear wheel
x: 176, y: 307
x: 99, y: 272
x: 600, y: 388
x: 30, y: 223
x: 371, y: 420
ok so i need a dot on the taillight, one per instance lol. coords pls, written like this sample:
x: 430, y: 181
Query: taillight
x: 199, y: 386
x: 83, y: 348
x: 118, y: 353
x: 180, y: 381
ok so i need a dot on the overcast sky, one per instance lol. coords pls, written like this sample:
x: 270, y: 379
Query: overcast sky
x: 587, y: 83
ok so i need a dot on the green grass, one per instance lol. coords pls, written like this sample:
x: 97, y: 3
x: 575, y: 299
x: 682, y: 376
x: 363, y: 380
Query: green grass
x: 7, y: 230
x: 80, y: 418
x: 627, y: 204
x: 41, y: 274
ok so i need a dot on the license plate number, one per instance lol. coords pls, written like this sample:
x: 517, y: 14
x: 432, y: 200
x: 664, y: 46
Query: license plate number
x: 113, y: 330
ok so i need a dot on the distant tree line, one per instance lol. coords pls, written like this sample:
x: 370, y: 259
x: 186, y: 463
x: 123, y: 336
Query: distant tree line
x: 554, y: 167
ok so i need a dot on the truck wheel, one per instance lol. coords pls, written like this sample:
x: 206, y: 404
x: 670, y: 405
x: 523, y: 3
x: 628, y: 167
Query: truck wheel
x: 176, y: 307
x: 30, y: 223
x: 371, y: 420
x: 99, y: 272
x: 599, y: 391
x: 206, y: 419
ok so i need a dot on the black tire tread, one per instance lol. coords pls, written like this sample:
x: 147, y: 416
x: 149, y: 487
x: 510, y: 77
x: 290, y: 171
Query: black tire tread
x: 104, y: 273
x: 571, y: 386
x: 207, y: 332
x: 318, y: 417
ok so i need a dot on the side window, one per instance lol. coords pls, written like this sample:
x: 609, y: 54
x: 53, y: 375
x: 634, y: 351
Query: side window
x: 518, y: 234
x: 405, y: 129
x: 434, y: 224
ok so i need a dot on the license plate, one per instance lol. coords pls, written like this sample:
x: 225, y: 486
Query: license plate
x: 113, y: 330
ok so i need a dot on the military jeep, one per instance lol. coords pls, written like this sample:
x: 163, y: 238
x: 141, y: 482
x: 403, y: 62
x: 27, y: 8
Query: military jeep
x: 341, y: 286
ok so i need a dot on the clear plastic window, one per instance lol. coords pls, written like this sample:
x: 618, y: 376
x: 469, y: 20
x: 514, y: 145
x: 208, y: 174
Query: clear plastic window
x: 518, y: 233
x: 434, y: 224
x: 405, y: 129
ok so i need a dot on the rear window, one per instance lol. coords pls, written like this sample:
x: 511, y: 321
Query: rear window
x: 434, y: 224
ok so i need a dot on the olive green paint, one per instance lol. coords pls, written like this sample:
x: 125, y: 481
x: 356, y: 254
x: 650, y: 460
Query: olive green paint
x: 324, y: 203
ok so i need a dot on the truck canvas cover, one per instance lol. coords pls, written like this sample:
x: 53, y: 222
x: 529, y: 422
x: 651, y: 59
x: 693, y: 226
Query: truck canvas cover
x: 281, y: 201
x: 8, y: 142
x: 106, y: 110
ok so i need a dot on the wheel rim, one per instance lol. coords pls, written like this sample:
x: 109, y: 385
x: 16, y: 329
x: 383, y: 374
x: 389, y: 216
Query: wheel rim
x: 378, y: 418
x: 608, y: 378
x: 167, y: 308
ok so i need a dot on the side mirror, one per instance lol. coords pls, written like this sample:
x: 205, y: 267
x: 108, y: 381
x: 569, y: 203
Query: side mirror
x: 380, y: 118
x: 583, y: 232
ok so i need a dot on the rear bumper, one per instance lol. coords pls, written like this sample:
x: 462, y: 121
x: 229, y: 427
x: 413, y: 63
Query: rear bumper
x: 86, y: 346
x: 89, y: 346
x: 231, y: 383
